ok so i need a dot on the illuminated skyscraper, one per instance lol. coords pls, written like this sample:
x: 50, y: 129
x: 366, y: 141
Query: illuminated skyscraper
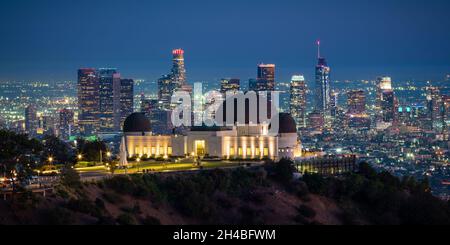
x: 166, y: 88
x: 230, y: 84
x: 298, y: 100
x: 436, y: 107
x: 109, y: 100
x: 31, y: 120
x: 178, y: 69
x: 356, y: 102
x: 66, y: 123
x: 356, y: 110
x: 126, y: 99
x: 266, y: 78
x: 88, y: 101
x: 385, y: 101
x: 322, y: 90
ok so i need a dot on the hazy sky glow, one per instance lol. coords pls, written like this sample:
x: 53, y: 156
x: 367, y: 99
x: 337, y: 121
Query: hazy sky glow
x: 50, y: 39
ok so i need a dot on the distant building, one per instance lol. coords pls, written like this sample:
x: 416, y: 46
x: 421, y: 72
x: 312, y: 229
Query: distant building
x: 356, y: 102
x: 356, y: 110
x: 178, y: 70
x: 328, y: 166
x: 322, y: 92
x: 230, y: 85
x: 435, y: 105
x: 385, y: 101
x: 316, y: 122
x: 298, y: 100
x: 66, y: 123
x: 88, y: 101
x: 265, y: 80
x: 109, y: 100
x: 31, y: 120
x: 126, y: 99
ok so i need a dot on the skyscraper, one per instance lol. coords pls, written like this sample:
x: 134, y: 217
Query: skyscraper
x: 356, y: 102
x: 166, y: 88
x: 322, y: 90
x: 178, y: 69
x: 88, y: 101
x: 356, y: 110
x: 66, y: 123
x: 265, y: 80
x: 385, y: 101
x: 230, y: 84
x: 31, y: 120
x: 435, y: 106
x: 109, y: 100
x: 126, y: 99
x: 298, y: 100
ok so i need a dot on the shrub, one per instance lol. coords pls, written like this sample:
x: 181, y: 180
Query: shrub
x: 126, y: 219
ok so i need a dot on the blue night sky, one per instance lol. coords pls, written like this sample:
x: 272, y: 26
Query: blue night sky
x: 50, y: 39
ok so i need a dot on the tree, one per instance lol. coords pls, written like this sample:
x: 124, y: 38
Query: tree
x: 91, y: 149
x: 70, y: 177
x: 61, y: 152
x: 19, y: 155
x: 284, y: 171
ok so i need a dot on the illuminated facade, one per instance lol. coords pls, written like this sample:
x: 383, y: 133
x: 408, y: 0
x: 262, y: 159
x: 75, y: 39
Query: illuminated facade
x: 109, y: 100
x: 88, y: 101
x: 31, y: 120
x: 238, y: 142
x: 385, y: 101
x: 266, y: 78
x: 298, y: 100
x: 323, y: 90
x: 126, y: 99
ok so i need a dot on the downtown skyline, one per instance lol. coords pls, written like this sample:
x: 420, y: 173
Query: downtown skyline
x: 406, y: 40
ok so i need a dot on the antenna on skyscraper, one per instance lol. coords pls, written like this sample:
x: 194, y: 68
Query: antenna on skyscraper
x: 318, y: 49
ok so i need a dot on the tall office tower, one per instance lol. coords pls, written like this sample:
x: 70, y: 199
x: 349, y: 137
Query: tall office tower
x: 178, y: 69
x: 109, y: 100
x: 385, y: 102
x: 165, y: 90
x: 356, y: 102
x: 31, y: 120
x: 265, y: 80
x: 435, y: 105
x: 230, y: 84
x: 383, y: 84
x: 356, y: 110
x: 88, y: 101
x: 66, y: 123
x: 334, y: 104
x: 322, y: 90
x: 388, y: 106
x: 298, y: 100
x: 126, y: 99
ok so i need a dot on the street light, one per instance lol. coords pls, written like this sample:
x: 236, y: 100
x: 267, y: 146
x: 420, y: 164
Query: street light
x: 108, y: 154
x: 80, y: 157
x: 138, y: 160
x: 50, y: 160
